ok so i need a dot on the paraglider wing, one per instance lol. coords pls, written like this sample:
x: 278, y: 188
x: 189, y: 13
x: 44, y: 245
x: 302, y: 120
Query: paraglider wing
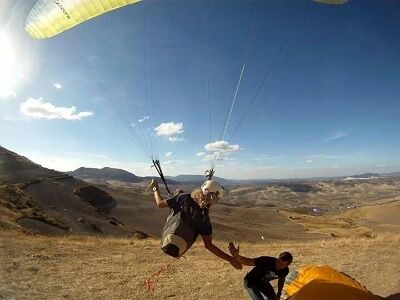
x: 323, y: 282
x: 51, y: 17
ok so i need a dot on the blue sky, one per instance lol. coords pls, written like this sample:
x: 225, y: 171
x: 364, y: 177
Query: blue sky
x: 319, y: 92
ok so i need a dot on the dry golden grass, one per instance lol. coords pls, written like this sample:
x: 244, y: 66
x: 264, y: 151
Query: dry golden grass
x: 40, y: 267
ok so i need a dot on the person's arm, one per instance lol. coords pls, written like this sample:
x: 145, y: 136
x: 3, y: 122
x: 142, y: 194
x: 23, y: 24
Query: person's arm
x: 208, y: 243
x: 243, y: 260
x: 281, y: 282
x: 157, y: 196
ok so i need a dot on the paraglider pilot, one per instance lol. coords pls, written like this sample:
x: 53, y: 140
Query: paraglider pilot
x: 266, y: 268
x: 189, y: 218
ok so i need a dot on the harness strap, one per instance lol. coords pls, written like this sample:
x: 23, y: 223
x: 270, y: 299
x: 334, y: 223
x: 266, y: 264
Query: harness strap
x: 157, y: 165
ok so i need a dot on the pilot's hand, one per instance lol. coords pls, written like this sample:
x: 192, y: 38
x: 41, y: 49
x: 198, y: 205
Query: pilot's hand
x: 152, y: 184
x: 235, y: 263
x: 233, y: 250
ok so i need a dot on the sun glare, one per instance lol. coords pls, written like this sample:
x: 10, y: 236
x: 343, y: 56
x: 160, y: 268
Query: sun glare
x: 7, y: 67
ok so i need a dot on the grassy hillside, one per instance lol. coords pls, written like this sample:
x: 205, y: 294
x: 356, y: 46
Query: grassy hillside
x: 40, y: 267
x: 356, y: 229
x: 16, y: 168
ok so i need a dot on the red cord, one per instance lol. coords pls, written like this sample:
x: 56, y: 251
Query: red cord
x: 153, y: 279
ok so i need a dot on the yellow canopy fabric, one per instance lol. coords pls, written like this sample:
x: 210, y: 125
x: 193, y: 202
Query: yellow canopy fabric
x: 51, y: 17
x: 323, y: 283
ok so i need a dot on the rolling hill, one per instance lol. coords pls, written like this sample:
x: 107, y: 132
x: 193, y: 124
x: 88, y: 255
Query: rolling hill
x: 46, y: 201
x: 16, y: 168
x: 105, y: 174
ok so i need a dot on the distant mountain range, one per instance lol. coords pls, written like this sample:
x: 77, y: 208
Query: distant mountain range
x: 16, y: 168
x: 392, y: 174
x: 367, y: 175
x: 122, y: 175
x: 125, y: 176
x: 199, y: 179
x: 105, y: 174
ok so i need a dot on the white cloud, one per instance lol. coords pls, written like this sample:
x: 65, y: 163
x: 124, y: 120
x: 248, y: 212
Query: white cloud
x: 219, y: 156
x: 382, y: 165
x: 7, y: 93
x: 221, y: 146
x: 57, y: 86
x: 88, y: 155
x: 175, y: 139
x: 321, y: 156
x: 37, y: 108
x: 267, y: 157
x: 168, y: 154
x: 143, y: 119
x: 14, y: 118
x: 170, y: 164
x: 219, y: 150
x: 309, y: 161
x: 335, y: 136
x: 169, y: 129
x: 213, y: 156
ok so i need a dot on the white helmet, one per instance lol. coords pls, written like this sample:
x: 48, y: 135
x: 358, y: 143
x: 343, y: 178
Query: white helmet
x: 211, y: 186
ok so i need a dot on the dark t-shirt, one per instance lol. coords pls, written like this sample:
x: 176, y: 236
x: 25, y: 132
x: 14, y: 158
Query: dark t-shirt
x: 199, y: 219
x: 265, y: 271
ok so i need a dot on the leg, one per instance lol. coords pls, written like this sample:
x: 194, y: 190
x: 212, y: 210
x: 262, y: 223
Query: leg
x: 268, y: 291
x: 253, y: 291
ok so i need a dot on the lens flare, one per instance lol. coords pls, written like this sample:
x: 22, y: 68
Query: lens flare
x: 7, y: 68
